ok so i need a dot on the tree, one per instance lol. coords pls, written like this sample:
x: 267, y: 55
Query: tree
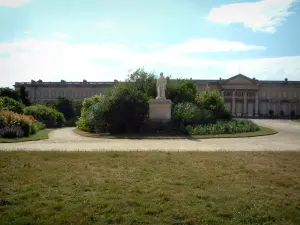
x: 24, y: 96
x: 144, y: 81
x: 65, y: 106
x: 181, y: 90
x: 211, y: 100
x: 8, y: 92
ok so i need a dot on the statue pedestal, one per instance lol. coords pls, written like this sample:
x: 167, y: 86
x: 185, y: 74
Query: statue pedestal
x: 160, y: 110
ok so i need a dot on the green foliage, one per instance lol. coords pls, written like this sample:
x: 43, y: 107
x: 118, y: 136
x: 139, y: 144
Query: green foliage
x: 10, y: 104
x: 211, y: 100
x: 50, y: 117
x: 181, y: 90
x: 87, y: 102
x: 189, y: 113
x: 144, y: 82
x: 24, y: 96
x: 8, y: 92
x: 97, y: 116
x: 128, y: 108
x: 14, y: 125
x: 223, y: 127
x: 65, y: 106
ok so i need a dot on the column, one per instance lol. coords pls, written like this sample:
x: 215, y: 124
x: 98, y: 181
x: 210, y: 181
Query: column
x: 256, y: 103
x: 222, y: 94
x: 245, y: 103
x: 233, y: 103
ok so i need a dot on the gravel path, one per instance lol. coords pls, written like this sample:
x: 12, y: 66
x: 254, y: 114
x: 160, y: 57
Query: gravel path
x: 288, y: 139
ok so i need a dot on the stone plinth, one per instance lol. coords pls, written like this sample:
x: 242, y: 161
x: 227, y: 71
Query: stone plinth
x: 160, y: 110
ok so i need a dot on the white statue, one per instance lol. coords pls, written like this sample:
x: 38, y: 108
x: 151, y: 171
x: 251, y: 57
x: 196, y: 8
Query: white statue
x: 161, y: 86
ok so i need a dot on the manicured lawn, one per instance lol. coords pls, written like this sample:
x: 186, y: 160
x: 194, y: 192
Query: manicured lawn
x: 43, y: 134
x: 262, y: 132
x: 298, y: 120
x: 150, y: 188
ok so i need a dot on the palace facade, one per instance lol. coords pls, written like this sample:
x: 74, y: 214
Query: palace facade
x: 243, y: 96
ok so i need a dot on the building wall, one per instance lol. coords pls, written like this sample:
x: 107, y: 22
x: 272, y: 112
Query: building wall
x: 257, y: 101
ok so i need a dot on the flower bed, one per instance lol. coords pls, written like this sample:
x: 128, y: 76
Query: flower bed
x: 14, y: 125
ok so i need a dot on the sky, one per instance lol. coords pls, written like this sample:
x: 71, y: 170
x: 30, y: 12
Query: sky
x: 100, y: 40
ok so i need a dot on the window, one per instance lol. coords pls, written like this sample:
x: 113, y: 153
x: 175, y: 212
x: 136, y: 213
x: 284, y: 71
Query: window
x: 263, y: 94
x: 284, y: 94
x: 239, y: 94
x: 274, y: 94
x: 46, y: 94
x: 295, y: 94
x: 53, y: 94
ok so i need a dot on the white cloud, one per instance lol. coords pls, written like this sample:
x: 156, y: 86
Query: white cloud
x: 212, y: 45
x: 61, y: 35
x: 105, y: 24
x: 53, y: 60
x: 264, y: 15
x: 13, y: 3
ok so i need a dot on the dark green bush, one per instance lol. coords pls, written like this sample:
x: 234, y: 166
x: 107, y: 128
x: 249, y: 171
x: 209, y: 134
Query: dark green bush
x: 212, y: 101
x: 181, y: 90
x: 9, y: 104
x: 223, y: 127
x: 190, y: 113
x: 128, y: 108
x: 48, y: 116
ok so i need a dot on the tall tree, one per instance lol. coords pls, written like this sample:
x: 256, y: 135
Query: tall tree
x: 24, y: 96
x: 11, y: 93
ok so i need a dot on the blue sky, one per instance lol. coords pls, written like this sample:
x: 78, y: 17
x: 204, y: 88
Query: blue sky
x: 102, y: 40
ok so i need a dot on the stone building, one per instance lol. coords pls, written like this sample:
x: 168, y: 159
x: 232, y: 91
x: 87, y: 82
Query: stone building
x: 243, y: 96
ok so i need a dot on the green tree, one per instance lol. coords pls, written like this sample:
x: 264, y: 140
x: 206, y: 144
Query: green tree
x: 211, y: 100
x: 144, y: 81
x: 65, y: 106
x: 9, y: 104
x: 24, y: 96
x: 181, y: 90
x: 8, y: 92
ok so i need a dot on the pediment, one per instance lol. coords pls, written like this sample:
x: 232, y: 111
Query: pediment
x: 239, y: 80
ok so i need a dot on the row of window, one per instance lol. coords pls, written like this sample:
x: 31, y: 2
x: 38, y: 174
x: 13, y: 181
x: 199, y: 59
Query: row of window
x: 67, y: 94
x: 264, y: 94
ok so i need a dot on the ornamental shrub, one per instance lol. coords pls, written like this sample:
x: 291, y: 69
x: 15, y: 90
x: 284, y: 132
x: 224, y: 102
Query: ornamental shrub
x: 17, y: 125
x: 88, y: 102
x: 189, y: 113
x: 128, y: 108
x: 9, y: 104
x: 48, y: 116
x: 212, y: 101
x: 97, y: 116
x: 223, y: 127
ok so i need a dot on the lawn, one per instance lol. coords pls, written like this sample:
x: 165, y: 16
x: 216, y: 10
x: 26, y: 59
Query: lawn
x: 262, y: 132
x: 150, y: 188
x: 43, y: 134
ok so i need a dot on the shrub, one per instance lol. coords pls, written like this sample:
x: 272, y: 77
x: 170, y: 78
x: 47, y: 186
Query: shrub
x: 127, y: 108
x: 223, y: 127
x: 181, y: 90
x: 48, y: 116
x: 9, y: 104
x: 97, y: 117
x: 211, y: 100
x: 10, y: 93
x: 190, y: 113
x: 88, y: 102
x: 17, y: 125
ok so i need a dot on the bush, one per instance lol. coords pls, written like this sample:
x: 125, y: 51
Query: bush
x: 87, y: 103
x: 211, y: 100
x: 97, y: 117
x: 17, y: 125
x: 9, y: 104
x: 48, y: 116
x: 181, y: 90
x: 128, y: 108
x: 223, y: 127
x: 190, y: 113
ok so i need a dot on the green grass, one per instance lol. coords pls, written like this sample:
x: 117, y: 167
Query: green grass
x: 43, y: 134
x: 262, y: 132
x: 298, y: 120
x: 150, y: 188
